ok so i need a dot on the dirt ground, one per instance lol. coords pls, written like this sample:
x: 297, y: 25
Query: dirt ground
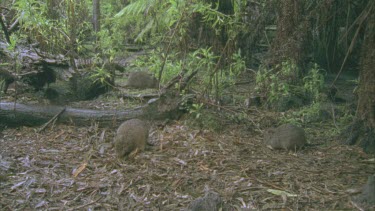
x: 75, y: 168
x: 66, y: 167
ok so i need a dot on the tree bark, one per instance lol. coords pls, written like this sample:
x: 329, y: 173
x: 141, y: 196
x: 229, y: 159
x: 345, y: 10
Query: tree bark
x: 362, y: 130
x: 366, y: 89
x: 290, y: 41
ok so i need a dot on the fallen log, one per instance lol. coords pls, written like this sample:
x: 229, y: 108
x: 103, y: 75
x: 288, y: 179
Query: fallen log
x: 15, y: 114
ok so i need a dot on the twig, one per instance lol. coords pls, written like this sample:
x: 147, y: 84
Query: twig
x: 356, y: 206
x: 14, y: 24
x: 168, y: 48
x: 51, y: 120
x: 361, y: 19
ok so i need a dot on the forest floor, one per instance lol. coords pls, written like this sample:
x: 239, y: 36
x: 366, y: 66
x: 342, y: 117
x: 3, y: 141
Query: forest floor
x: 75, y: 168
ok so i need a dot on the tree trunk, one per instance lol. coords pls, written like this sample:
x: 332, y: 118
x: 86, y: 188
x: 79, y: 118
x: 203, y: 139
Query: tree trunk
x: 366, y: 89
x: 362, y: 130
x: 291, y: 37
x: 72, y: 23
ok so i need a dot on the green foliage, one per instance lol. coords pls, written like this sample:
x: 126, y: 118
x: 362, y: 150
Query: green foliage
x: 205, y: 119
x: 154, y: 62
x: 209, y: 79
x: 276, y: 85
x: 106, y: 44
x: 51, y: 27
x: 313, y: 83
x: 307, y: 114
x: 284, y: 83
x: 203, y: 59
x: 238, y: 64
x: 239, y: 117
x: 218, y: 21
x: 100, y: 74
x: 13, y: 42
x: 154, y: 21
x: 196, y: 110
x: 153, y: 16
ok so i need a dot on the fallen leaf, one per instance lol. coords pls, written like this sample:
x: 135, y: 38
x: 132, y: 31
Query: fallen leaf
x: 281, y: 193
x: 80, y: 169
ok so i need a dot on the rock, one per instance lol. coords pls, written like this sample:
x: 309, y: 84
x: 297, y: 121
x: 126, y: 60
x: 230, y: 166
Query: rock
x: 130, y: 136
x: 287, y: 136
x: 366, y: 200
x: 210, y: 202
x: 141, y: 80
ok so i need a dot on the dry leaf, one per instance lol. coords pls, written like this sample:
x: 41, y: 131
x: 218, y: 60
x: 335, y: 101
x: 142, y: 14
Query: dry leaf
x: 80, y: 169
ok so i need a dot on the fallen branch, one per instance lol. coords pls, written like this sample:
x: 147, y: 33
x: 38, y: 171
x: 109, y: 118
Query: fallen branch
x: 51, y: 120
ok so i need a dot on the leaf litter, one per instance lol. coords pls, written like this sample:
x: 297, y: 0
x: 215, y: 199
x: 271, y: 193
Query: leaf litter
x: 76, y: 168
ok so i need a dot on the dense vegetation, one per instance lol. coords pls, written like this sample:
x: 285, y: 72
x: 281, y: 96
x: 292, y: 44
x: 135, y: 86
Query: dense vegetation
x: 291, y: 45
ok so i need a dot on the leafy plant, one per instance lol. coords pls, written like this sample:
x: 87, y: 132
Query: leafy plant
x: 100, y: 74
x: 238, y: 64
x: 277, y: 85
x: 154, y: 62
x: 313, y: 83
x: 150, y: 16
x: 285, y: 84
x: 307, y: 114
x: 196, y: 110
x: 39, y: 22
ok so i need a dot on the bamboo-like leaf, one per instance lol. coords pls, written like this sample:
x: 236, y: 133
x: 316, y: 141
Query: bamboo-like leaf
x: 144, y: 30
x: 136, y: 8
